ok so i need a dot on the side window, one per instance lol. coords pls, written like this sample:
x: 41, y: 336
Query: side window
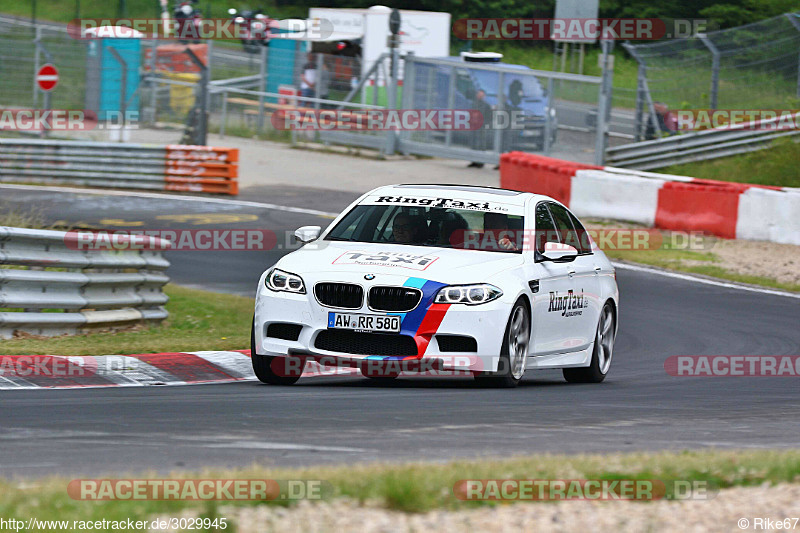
x: 545, y: 229
x: 564, y: 225
x: 583, y: 237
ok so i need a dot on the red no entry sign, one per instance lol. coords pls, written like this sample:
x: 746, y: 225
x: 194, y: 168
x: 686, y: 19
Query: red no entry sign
x: 47, y: 77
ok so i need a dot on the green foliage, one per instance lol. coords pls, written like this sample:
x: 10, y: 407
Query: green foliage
x: 728, y: 13
x: 773, y: 166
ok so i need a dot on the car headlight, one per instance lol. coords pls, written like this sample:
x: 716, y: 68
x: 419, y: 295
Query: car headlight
x: 468, y: 294
x: 280, y: 281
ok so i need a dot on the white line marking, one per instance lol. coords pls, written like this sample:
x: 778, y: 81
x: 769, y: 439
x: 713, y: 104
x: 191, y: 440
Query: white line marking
x: 259, y: 445
x: 200, y: 199
x: 695, y: 279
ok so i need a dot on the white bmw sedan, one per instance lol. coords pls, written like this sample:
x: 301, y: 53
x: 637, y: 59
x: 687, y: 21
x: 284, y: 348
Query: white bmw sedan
x: 487, y: 281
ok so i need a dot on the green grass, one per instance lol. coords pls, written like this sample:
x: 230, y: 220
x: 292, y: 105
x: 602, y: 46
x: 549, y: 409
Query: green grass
x: 719, y: 272
x: 418, y: 487
x: 198, y: 320
x: 774, y: 166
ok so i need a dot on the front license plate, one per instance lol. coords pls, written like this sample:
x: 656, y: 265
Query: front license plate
x: 355, y: 322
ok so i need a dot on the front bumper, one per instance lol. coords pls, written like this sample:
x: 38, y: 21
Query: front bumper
x: 429, y: 322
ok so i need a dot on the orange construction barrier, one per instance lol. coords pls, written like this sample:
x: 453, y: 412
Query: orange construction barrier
x: 209, y: 169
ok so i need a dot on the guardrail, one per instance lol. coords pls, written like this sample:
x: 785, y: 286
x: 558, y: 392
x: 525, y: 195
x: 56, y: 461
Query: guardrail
x: 689, y: 147
x: 121, y: 165
x: 56, y: 287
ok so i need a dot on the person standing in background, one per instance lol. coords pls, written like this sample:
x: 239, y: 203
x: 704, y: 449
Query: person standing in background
x: 308, y: 79
x: 481, y: 139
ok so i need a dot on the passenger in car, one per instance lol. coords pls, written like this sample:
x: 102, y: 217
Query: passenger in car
x: 452, y: 230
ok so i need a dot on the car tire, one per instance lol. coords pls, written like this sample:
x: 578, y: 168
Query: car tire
x: 602, y: 352
x: 376, y: 376
x: 514, y: 351
x: 262, y: 365
x: 381, y: 380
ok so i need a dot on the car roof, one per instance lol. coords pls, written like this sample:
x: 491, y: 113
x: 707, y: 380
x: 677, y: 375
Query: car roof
x: 467, y: 64
x: 496, y: 194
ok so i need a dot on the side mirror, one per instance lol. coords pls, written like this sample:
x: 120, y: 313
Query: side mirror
x: 307, y: 233
x: 557, y: 253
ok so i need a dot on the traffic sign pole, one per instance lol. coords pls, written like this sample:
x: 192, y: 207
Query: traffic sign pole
x: 47, y: 79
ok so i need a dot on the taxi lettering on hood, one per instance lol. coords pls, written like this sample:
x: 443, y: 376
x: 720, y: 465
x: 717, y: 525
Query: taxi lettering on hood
x: 381, y: 258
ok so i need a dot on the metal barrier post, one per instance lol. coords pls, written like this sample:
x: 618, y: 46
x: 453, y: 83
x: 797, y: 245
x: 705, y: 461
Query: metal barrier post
x: 318, y: 82
x: 451, y: 99
x: 409, y: 81
x: 641, y: 96
x: 795, y: 20
x: 262, y: 87
x: 641, y: 83
x: 224, y: 113
x: 714, y: 68
x: 210, y: 52
x: 391, y: 136
x: 49, y: 59
x: 497, y: 143
x: 201, y: 128
x: 37, y: 43
x: 604, y: 103
x: 548, y: 125
x: 153, y: 80
x: 122, y: 100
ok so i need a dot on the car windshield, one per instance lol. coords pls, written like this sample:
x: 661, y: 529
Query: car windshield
x: 431, y: 226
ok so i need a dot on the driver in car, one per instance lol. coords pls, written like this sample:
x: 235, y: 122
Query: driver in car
x: 409, y: 229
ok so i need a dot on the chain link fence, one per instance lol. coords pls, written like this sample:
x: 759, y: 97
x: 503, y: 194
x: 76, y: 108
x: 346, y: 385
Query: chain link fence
x: 24, y: 49
x: 756, y: 66
x: 224, y: 87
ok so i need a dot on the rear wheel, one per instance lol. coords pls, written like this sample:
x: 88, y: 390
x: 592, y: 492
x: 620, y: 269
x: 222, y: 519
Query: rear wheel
x: 263, y: 365
x: 514, y: 352
x: 603, y: 351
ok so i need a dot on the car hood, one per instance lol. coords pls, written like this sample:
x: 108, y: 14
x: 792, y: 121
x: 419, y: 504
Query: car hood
x: 324, y: 259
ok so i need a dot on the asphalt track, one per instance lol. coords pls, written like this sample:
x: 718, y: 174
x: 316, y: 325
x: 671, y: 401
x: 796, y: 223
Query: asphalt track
x: 342, y: 420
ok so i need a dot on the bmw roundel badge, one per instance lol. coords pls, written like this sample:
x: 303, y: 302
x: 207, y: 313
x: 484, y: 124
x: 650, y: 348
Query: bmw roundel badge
x: 369, y: 277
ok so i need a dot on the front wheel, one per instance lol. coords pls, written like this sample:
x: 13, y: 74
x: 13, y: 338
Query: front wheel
x: 514, y: 352
x: 263, y: 365
x: 603, y: 351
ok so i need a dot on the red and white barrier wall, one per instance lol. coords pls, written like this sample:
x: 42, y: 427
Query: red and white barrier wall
x: 727, y: 209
